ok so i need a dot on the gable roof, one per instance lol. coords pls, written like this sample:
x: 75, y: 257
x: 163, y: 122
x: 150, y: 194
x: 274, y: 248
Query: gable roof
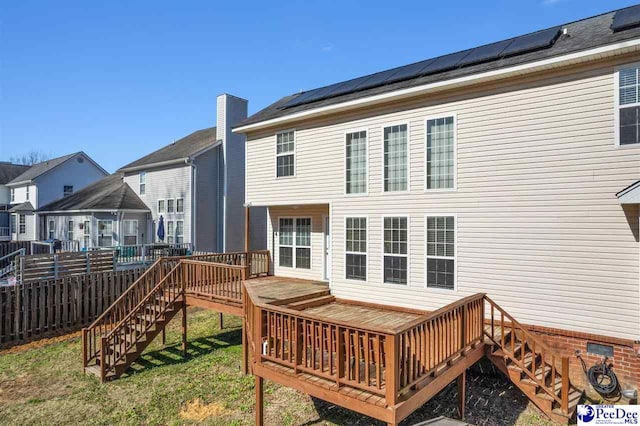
x: 581, y: 36
x: 178, y: 151
x: 109, y: 193
x: 39, y: 169
x: 9, y: 171
x: 23, y: 207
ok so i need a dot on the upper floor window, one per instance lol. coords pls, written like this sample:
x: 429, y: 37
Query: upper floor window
x: 356, y: 249
x: 628, y: 114
x: 285, y: 154
x: 13, y: 194
x: 27, y: 192
x: 143, y: 183
x: 160, y: 206
x: 67, y: 190
x: 356, y: 162
x: 440, y: 157
x: 170, y: 206
x: 396, y: 242
x: 396, y: 158
x: 441, y: 252
x: 180, y: 205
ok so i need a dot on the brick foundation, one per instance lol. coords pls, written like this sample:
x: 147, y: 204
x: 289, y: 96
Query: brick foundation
x: 625, y: 360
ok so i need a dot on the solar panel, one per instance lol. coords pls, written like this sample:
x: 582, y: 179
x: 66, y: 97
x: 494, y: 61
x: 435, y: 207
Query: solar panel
x: 626, y: 18
x: 485, y: 53
x: 376, y: 79
x: 445, y: 62
x: 534, y: 41
x: 408, y: 71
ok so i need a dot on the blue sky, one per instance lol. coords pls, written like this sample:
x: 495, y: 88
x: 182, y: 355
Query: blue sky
x: 120, y: 79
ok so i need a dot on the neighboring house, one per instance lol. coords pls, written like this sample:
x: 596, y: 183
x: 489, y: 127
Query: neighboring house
x: 104, y: 214
x: 8, y: 172
x: 489, y: 170
x: 197, y: 185
x: 43, y: 183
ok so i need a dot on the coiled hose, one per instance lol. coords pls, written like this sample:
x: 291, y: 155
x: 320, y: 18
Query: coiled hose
x: 602, y: 378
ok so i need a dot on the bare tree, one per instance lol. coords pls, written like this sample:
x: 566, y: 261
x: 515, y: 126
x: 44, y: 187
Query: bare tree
x: 33, y: 157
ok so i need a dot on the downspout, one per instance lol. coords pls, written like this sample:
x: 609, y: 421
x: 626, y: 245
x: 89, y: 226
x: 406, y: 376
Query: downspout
x: 192, y: 225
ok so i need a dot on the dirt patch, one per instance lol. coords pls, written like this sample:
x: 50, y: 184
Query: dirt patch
x: 199, y: 411
x: 39, y: 343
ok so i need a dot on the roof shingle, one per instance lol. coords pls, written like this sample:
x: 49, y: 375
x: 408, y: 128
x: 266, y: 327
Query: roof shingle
x: 9, y: 171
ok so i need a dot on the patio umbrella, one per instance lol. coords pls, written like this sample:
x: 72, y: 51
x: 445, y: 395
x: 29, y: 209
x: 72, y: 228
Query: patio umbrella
x: 161, y: 228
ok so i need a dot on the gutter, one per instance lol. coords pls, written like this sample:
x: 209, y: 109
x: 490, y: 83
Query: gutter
x: 114, y: 211
x: 502, y: 73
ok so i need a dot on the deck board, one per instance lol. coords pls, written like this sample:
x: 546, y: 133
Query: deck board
x: 362, y: 315
x: 271, y: 289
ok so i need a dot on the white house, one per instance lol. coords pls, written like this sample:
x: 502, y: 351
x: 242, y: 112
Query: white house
x: 8, y: 172
x: 104, y: 214
x: 491, y: 170
x: 197, y: 185
x: 43, y: 183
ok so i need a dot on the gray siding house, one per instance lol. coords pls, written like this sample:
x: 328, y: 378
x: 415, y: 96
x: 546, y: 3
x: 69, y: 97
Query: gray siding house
x: 8, y: 172
x: 197, y: 185
x: 43, y: 183
x: 104, y: 214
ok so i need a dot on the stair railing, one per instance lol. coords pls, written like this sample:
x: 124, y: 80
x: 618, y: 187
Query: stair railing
x: 517, y: 354
x: 121, y: 307
x: 125, y: 335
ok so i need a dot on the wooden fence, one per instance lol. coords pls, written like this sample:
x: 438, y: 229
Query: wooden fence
x: 59, y: 305
x: 47, y: 266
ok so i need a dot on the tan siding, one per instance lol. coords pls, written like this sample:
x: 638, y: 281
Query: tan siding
x: 539, y: 227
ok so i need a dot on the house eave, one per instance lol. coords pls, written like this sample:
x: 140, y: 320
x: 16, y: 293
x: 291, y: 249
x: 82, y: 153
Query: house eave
x: 630, y: 195
x: 598, y: 53
x: 177, y: 161
x: 78, y: 211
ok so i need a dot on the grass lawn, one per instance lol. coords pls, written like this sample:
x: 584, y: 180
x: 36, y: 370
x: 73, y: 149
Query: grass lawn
x: 46, y: 385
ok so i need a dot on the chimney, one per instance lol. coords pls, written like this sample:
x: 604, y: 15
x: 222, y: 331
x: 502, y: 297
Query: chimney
x: 231, y: 110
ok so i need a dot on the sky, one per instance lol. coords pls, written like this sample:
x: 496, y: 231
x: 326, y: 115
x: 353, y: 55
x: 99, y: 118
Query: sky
x: 120, y: 79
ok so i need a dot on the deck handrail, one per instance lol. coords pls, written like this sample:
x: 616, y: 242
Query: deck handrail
x: 537, y: 346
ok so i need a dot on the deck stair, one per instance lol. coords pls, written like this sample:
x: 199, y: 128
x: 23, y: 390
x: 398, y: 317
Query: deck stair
x: 539, y: 372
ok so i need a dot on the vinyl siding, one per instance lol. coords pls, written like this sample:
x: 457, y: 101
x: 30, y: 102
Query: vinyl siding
x: 206, y: 215
x: 539, y: 228
x: 162, y: 184
x: 316, y: 214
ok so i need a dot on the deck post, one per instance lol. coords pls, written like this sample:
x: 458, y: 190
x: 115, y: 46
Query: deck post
x: 462, y: 393
x: 164, y: 335
x: 245, y: 349
x: 220, y: 320
x: 392, y: 368
x: 184, y: 327
x: 247, y: 217
x: 259, y: 401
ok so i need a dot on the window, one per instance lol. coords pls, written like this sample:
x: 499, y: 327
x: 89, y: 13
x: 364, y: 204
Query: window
x: 170, y: 206
x: 13, y: 224
x: 67, y: 190
x: 440, y: 252
x: 395, y: 158
x: 395, y: 250
x: 23, y: 224
x: 179, y: 231
x: 86, y: 233
x: 27, y: 192
x: 160, y: 206
x: 440, y: 161
x: 143, y: 183
x: 180, y: 205
x: 70, y: 230
x: 285, y: 154
x: 170, y: 232
x: 105, y: 233
x: 628, y: 114
x: 356, y: 158
x: 52, y: 229
x: 295, y: 243
x: 130, y: 232
x: 13, y: 194
x: 356, y: 248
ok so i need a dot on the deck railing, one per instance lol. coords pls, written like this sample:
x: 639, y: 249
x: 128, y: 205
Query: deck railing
x: 384, y: 361
x: 216, y: 280
x: 512, y: 337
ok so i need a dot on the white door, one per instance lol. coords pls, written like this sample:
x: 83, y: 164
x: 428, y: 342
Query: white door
x: 327, y: 248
